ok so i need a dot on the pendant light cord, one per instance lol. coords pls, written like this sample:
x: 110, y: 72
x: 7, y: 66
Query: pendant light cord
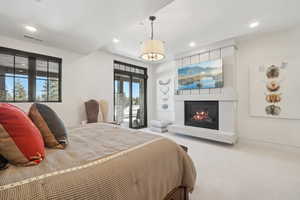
x: 152, y: 18
x: 151, y: 30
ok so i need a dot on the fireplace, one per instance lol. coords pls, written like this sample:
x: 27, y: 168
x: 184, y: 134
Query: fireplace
x: 204, y: 114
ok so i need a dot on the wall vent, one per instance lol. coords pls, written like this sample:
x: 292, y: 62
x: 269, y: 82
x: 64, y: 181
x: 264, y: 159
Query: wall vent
x: 33, y: 38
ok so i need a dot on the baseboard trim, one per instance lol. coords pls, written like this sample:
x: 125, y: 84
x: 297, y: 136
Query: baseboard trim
x: 242, y: 139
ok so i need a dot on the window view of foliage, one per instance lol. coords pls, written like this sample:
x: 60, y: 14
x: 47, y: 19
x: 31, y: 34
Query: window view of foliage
x: 135, y: 101
x: 19, y: 84
x: 20, y: 91
x: 9, y: 97
x: 52, y: 94
x: 53, y: 90
x: 5, y: 95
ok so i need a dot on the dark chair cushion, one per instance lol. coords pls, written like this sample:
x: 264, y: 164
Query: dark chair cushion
x: 50, y: 125
x: 92, y: 111
x: 20, y: 140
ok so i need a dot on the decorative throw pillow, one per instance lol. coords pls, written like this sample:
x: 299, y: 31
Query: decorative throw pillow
x: 50, y: 125
x: 20, y: 141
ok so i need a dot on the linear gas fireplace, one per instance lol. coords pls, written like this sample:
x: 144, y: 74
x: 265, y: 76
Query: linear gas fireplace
x: 204, y: 114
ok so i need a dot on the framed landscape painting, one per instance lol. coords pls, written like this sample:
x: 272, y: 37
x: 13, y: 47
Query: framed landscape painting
x: 203, y: 75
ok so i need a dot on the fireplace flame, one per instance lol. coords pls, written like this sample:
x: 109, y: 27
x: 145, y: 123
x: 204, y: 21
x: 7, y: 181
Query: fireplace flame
x: 200, y: 116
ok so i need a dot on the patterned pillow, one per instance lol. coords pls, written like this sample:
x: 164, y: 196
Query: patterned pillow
x: 50, y: 125
x: 20, y: 141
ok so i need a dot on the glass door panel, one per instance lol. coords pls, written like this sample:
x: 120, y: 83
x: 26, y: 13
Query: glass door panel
x: 122, y: 99
x: 130, y: 92
x: 138, y: 102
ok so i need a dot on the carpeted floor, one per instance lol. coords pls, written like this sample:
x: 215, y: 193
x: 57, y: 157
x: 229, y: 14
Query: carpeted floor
x: 246, y: 171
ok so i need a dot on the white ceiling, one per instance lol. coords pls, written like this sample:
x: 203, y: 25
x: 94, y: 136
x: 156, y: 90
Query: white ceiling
x: 88, y: 25
x: 79, y: 25
x: 209, y: 21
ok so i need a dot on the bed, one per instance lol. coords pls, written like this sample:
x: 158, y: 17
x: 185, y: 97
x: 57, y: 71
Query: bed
x: 105, y: 162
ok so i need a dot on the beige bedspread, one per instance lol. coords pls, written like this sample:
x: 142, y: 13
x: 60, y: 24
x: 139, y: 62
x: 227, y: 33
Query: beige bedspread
x: 103, y: 162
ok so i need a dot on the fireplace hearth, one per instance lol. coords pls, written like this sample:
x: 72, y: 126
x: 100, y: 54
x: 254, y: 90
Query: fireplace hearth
x: 204, y: 114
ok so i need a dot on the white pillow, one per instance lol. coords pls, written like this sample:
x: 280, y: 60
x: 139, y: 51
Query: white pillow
x: 159, y: 130
x: 100, y: 114
x: 160, y: 123
x: 104, y: 109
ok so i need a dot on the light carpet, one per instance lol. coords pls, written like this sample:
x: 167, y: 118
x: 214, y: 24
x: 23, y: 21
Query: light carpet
x: 245, y: 171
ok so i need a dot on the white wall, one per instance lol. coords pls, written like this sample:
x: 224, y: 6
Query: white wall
x: 256, y: 51
x: 84, y: 77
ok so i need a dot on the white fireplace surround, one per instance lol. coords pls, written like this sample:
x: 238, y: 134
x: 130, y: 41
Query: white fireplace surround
x: 227, y: 113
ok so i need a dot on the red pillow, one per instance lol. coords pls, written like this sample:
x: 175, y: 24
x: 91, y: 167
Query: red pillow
x: 20, y: 141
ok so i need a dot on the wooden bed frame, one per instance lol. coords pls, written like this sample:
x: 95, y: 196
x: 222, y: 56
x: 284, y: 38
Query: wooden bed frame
x: 179, y: 193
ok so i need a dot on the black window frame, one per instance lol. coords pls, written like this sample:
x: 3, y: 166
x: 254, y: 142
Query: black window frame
x: 32, y: 76
x: 130, y: 70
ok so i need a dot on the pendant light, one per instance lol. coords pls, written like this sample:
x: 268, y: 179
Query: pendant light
x: 152, y: 50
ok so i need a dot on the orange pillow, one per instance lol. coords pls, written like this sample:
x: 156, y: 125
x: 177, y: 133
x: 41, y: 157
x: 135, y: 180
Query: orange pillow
x: 20, y: 141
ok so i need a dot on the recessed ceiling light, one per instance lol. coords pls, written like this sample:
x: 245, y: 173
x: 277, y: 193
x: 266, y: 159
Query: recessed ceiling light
x: 192, y: 44
x: 30, y: 29
x: 253, y: 24
x: 116, y: 40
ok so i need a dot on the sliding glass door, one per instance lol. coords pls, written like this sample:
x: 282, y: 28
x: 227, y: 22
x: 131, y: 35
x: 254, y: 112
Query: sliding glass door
x: 122, y: 98
x: 138, y: 102
x: 130, y: 88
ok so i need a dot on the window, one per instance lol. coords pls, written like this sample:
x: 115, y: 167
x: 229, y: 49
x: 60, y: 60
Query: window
x: 29, y: 77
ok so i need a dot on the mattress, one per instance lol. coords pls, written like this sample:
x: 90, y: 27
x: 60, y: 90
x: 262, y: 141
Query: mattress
x: 103, y: 162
